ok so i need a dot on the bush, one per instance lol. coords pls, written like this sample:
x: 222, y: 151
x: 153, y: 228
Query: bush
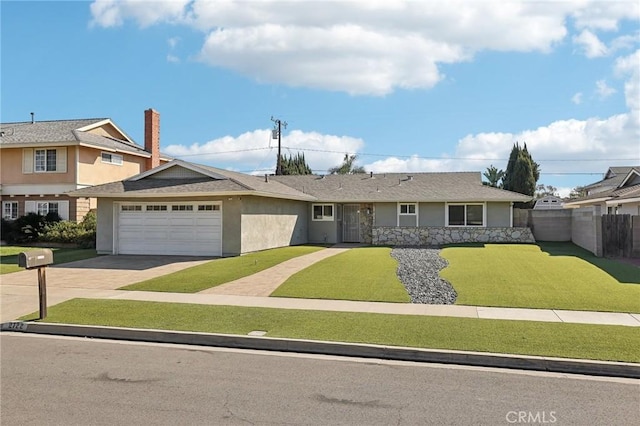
x: 83, y: 234
x: 25, y: 229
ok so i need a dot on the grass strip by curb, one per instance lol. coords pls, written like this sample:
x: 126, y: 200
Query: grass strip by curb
x: 220, y: 271
x: 9, y: 256
x: 586, y: 341
x: 366, y: 274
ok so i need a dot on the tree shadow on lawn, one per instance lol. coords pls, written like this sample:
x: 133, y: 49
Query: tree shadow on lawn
x: 625, y: 273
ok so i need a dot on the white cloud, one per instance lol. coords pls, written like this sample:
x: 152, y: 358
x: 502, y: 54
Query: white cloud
x: 577, y: 98
x: 172, y: 58
x: 255, y: 151
x: 603, y: 90
x: 629, y: 67
x: 590, y: 44
x: 112, y: 13
x: 173, y: 42
x: 605, y: 15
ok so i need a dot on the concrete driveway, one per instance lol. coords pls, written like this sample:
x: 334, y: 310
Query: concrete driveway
x: 96, y: 277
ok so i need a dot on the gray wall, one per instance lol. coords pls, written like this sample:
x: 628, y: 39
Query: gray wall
x: 550, y: 225
x: 586, y: 229
x: 269, y: 223
x: 104, y: 232
x: 386, y: 214
x: 498, y: 215
x: 431, y: 214
x: 322, y: 231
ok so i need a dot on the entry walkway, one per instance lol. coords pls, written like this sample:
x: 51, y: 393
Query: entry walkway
x: 265, y: 282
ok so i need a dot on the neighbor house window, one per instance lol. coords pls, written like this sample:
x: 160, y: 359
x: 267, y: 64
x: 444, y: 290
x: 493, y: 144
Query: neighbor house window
x: 10, y: 210
x: 110, y: 158
x: 466, y: 215
x: 47, y: 207
x: 45, y: 160
x: 323, y: 212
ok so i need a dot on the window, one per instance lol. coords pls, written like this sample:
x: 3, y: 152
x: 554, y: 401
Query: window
x: 182, y: 208
x: 408, y: 208
x: 110, y: 158
x: 323, y: 212
x: 156, y: 208
x: 45, y: 160
x: 10, y: 210
x: 208, y: 207
x: 466, y: 215
x: 131, y: 208
x: 47, y: 207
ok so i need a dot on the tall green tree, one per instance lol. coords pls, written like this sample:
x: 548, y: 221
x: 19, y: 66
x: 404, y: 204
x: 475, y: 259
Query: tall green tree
x: 522, y: 172
x: 347, y: 167
x: 295, y: 165
x: 493, y: 176
x: 578, y: 192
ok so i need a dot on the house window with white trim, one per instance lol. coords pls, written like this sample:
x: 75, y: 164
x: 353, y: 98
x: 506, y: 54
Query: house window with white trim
x: 47, y: 207
x: 45, y: 160
x: 323, y: 212
x: 110, y: 158
x: 9, y: 210
x: 408, y: 208
x: 465, y: 215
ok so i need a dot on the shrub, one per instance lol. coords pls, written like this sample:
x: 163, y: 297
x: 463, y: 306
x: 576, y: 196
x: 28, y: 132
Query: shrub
x: 25, y: 229
x: 83, y: 234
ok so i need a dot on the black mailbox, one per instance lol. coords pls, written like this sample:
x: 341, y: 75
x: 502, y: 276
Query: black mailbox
x: 35, y: 258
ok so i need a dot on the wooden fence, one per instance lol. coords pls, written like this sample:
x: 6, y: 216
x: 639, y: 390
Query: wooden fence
x: 617, y: 235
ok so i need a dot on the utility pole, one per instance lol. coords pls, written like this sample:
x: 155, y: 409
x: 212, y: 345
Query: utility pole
x: 277, y: 133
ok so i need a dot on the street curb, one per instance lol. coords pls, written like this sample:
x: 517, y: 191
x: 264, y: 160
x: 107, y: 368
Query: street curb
x: 476, y: 359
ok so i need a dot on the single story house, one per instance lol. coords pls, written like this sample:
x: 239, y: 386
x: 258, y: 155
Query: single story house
x: 190, y: 209
x: 549, y: 202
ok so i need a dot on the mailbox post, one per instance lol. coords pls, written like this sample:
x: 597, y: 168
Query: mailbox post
x: 38, y: 259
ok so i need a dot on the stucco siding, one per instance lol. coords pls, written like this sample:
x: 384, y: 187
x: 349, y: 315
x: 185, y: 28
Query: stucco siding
x: 431, y: 214
x: 104, y: 232
x: 11, y: 170
x: 268, y: 223
x: 386, y: 214
x: 498, y: 215
x: 324, y: 232
x: 92, y: 171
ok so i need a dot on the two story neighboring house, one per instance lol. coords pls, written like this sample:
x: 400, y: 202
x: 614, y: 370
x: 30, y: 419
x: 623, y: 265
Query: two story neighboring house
x: 40, y: 161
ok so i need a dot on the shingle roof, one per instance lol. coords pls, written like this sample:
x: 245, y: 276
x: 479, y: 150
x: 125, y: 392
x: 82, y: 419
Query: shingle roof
x: 396, y: 187
x: 613, y: 177
x: 62, y: 131
x: 392, y: 187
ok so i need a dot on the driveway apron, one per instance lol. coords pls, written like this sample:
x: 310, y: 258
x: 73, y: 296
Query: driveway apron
x: 96, y: 277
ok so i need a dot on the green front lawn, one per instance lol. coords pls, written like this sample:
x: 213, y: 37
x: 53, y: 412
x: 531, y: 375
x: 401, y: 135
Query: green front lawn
x: 598, y: 342
x: 9, y: 256
x: 366, y: 273
x: 546, y: 275
x: 220, y: 271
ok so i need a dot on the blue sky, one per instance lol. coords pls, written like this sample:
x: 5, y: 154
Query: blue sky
x: 407, y: 86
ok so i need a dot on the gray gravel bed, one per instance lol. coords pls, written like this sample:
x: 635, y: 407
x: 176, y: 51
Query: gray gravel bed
x: 418, y: 270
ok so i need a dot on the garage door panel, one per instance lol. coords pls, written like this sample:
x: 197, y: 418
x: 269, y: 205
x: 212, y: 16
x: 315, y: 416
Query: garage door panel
x: 170, y: 232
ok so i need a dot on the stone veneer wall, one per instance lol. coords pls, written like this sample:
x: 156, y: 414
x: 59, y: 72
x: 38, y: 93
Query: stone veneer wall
x: 435, y: 236
x: 366, y: 223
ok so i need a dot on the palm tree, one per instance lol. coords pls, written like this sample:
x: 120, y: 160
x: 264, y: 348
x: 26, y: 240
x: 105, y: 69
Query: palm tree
x: 347, y: 167
x: 494, y: 176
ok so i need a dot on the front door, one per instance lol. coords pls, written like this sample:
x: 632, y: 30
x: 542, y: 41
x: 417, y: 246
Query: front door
x: 351, y: 223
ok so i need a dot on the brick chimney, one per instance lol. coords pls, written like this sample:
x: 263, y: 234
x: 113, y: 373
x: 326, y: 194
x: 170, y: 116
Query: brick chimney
x: 152, y: 137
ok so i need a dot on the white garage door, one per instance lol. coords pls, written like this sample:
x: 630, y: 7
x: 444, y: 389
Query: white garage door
x: 192, y: 229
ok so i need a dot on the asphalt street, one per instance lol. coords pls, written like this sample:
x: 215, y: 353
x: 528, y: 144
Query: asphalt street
x: 48, y: 380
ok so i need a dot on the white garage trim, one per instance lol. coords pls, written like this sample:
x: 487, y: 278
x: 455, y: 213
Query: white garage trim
x: 190, y: 228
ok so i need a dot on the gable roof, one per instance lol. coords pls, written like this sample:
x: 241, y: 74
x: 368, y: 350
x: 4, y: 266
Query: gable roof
x: 399, y: 187
x: 626, y: 189
x: 184, y: 179
x: 613, y: 178
x: 181, y: 178
x: 67, y: 132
